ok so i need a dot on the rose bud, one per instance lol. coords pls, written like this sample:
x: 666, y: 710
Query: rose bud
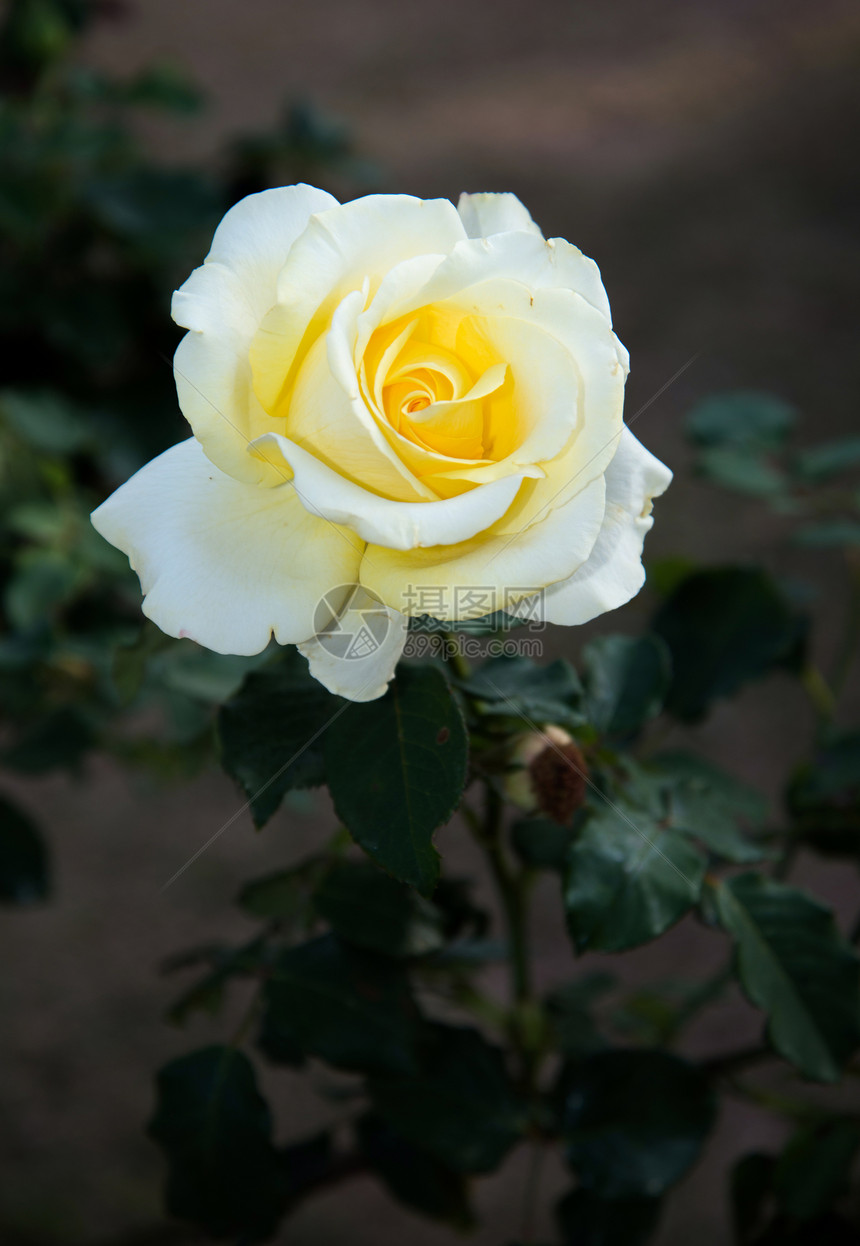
x: 548, y: 775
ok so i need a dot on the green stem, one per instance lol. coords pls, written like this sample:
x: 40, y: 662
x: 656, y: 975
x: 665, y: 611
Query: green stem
x: 512, y: 891
x: 453, y: 656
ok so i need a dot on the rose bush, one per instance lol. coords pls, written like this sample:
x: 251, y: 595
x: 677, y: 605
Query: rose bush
x: 391, y: 393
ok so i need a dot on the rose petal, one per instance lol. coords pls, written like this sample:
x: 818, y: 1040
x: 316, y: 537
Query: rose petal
x: 503, y: 564
x: 613, y: 573
x: 539, y: 264
x: 396, y: 525
x: 337, y: 251
x: 222, y: 303
x: 486, y: 214
x: 356, y: 657
x: 329, y: 418
x: 224, y: 563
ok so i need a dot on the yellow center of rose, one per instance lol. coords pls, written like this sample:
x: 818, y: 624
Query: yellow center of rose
x: 439, y: 394
x: 421, y: 407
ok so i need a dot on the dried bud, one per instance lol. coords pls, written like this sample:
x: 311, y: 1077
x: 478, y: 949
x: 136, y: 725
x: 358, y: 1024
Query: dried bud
x: 549, y: 774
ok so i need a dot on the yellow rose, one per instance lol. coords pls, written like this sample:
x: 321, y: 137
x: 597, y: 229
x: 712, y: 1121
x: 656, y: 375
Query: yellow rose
x: 420, y: 400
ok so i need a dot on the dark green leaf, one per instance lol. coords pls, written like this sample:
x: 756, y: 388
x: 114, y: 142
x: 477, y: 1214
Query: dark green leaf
x: 626, y: 680
x: 541, y: 843
x: 43, y: 583
x: 743, y: 469
x: 628, y: 879
x: 461, y: 1107
x: 272, y: 732
x: 346, y: 1006
x: 634, y: 1121
x: 46, y: 420
x: 704, y: 801
x: 23, y: 858
x: 519, y: 688
x: 724, y: 627
x: 413, y: 1176
x: 824, y: 796
x: 224, y: 1173
x: 834, y: 533
x: 570, y: 1009
x: 396, y: 769
x: 163, y: 86
x: 284, y: 896
x: 794, y: 964
x: 374, y: 911
x: 830, y: 458
x: 586, y: 1220
x: 814, y: 1169
x: 487, y: 625
x: 741, y: 417
x: 207, y: 994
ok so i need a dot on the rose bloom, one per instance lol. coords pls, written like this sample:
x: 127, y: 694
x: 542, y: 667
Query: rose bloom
x: 419, y: 400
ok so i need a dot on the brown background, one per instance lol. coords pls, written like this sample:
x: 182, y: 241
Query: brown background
x: 705, y: 154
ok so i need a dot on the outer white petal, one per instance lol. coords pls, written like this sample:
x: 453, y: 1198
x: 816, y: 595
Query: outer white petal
x: 358, y: 672
x: 395, y: 525
x: 252, y: 243
x: 613, y: 573
x: 365, y: 238
x: 486, y: 214
x: 538, y: 263
x: 222, y: 304
x: 224, y: 563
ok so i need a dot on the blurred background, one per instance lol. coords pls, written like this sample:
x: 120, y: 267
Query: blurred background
x: 702, y: 151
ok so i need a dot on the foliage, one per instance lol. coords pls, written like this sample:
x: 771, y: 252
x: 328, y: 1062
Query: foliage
x: 367, y: 956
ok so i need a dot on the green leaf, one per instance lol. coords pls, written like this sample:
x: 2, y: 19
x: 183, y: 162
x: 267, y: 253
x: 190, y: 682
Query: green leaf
x: 43, y: 582
x: 374, y: 911
x: 396, y: 769
x: 346, y: 1006
x: 626, y: 680
x: 830, y: 458
x: 824, y: 796
x: 628, y: 879
x: 834, y: 533
x: 815, y: 1168
x: 724, y: 627
x: 46, y: 420
x: 460, y: 1107
x: 284, y: 896
x: 487, y: 625
x: 586, y: 1220
x: 541, y: 843
x: 271, y: 733
x: 634, y: 1121
x: 23, y: 858
x: 794, y: 964
x: 743, y: 469
x: 742, y: 417
x: 519, y: 688
x: 712, y: 806
x: 570, y: 1007
x: 413, y: 1176
x: 224, y: 1173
